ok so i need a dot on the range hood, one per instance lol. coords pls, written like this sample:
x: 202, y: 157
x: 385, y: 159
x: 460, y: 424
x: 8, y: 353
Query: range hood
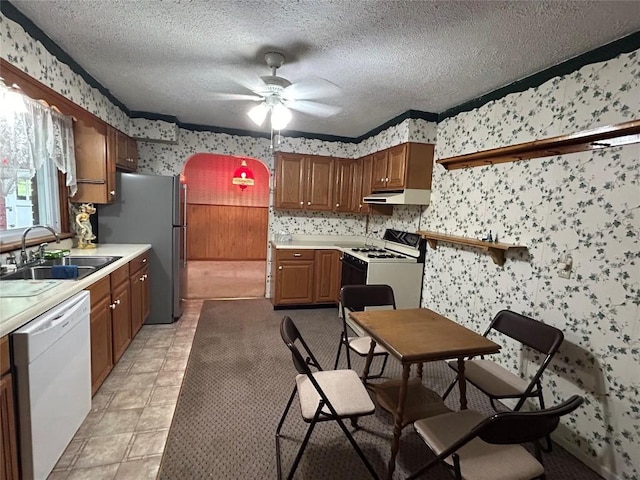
x: 408, y: 196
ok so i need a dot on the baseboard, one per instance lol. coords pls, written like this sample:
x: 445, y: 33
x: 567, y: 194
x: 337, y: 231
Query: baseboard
x: 565, y: 442
x: 580, y: 455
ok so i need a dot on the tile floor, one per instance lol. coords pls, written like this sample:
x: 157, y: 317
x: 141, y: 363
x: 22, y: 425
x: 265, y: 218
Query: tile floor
x: 123, y: 436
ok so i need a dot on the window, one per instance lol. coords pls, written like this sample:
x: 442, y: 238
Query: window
x: 35, y: 201
x: 36, y: 143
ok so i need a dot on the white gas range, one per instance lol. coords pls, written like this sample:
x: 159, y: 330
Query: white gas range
x: 400, y: 264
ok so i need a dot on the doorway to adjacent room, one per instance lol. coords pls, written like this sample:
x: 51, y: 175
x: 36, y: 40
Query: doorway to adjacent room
x: 227, y: 227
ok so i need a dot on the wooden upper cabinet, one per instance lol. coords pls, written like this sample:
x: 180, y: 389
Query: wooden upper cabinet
x: 304, y: 182
x: 379, y: 170
x: 95, y: 149
x: 132, y: 152
x: 366, y: 174
x: 408, y: 165
x: 127, y: 152
x: 396, y: 166
x: 290, y: 181
x: 320, y: 183
x: 348, y: 194
x: 121, y: 149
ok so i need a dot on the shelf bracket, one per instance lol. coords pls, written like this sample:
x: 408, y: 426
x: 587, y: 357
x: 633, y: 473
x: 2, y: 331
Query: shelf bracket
x: 497, y: 256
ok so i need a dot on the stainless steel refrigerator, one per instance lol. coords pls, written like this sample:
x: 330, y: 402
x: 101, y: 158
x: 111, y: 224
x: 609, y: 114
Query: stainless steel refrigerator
x: 152, y: 209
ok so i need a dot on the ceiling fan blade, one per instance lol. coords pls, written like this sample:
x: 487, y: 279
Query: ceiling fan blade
x: 310, y: 89
x: 315, y: 108
x: 250, y: 82
x: 235, y: 96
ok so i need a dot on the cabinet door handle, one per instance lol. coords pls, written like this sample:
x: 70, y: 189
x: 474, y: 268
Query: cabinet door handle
x: 296, y: 255
x: 301, y: 203
x: 112, y: 193
x: 280, y: 267
x: 112, y: 306
x: 142, y: 278
x: 386, y: 179
x: 337, y: 205
x: 308, y: 203
x: 144, y: 260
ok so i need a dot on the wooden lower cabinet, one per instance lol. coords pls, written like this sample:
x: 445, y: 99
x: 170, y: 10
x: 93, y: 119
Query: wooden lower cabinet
x: 305, y: 277
x: 120, y: 312
x: 9, y: 468
x: 119, y: 306
x: 327, y: 276
x: 294, y: 277
x: 101, y: 344
x: 140, y: 283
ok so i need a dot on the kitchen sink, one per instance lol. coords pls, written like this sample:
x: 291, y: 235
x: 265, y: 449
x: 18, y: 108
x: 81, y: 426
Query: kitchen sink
x: 81, y: 261
x: 43, y: 271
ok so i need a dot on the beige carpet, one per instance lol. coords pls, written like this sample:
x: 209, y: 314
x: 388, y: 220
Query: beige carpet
x: 226, y: 279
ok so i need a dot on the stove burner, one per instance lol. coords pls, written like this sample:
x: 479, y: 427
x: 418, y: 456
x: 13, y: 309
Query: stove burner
x: 367, y: 250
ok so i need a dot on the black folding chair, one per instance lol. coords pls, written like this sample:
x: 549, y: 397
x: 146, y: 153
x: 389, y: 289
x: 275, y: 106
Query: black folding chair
x: 324, y: 395
x: 356, y: 298
x: 473, y: 447
x: 497, y: 382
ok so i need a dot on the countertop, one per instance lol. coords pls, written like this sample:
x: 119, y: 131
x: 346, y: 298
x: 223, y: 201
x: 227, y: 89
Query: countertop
x: 16, y: 311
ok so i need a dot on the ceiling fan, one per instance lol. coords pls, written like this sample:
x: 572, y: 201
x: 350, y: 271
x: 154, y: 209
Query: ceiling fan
x: 277, y: 95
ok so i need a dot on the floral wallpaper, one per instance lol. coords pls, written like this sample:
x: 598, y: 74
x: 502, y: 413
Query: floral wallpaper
x: 585, y: 205
x: 153, y: 130
x: 21, y: 50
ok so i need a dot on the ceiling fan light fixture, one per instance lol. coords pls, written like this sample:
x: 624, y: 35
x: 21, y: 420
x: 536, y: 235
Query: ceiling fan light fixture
x: 258, y: 113
x: 280, y: 117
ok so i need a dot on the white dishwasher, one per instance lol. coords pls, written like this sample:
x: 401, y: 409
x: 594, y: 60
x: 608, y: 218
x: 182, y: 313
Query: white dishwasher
x: 52, y: 359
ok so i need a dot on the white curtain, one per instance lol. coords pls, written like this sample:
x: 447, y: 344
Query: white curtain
x: 30, y: 134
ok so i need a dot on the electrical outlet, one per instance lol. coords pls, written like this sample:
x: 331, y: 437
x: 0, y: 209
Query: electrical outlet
x: 565, y: 264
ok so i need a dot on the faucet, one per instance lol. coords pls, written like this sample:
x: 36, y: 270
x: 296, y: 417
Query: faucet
x: 24, y: 258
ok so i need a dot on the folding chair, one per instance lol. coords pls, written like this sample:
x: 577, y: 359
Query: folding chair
x: 324, y: 395
x: 499, y: 383
x: 356, y: 298
x: 476, y: 448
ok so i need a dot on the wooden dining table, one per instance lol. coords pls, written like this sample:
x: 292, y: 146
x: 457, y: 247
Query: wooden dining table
x: 415, y: 336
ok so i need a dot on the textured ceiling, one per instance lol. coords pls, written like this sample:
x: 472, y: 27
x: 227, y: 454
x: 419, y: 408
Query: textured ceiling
x: 170, y: 57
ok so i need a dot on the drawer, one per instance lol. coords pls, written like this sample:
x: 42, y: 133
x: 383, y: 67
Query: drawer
x: 99, y: 290
x: 292, y: 254
x: 5, y: 364
x: 120, y: 276
x: 139, y: 262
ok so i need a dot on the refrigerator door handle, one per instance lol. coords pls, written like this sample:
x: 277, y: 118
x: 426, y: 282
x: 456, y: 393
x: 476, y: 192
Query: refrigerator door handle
x: 184, y: 204
x: 184, y: 224
x: 184, y: 247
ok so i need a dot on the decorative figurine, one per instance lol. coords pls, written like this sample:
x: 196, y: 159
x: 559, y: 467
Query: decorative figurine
x: 83, y: 226
x: 488, y: 238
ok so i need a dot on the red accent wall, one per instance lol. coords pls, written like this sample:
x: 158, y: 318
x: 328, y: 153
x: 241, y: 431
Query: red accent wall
x: 208, y: 177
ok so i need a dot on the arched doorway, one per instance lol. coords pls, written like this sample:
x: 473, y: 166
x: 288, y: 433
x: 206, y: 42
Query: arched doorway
x: 227, y: 228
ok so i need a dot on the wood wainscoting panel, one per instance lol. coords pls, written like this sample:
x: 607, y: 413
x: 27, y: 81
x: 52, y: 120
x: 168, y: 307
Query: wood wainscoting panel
x: 223, y: 232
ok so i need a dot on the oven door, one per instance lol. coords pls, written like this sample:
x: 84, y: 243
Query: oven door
x: 354, y: 271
